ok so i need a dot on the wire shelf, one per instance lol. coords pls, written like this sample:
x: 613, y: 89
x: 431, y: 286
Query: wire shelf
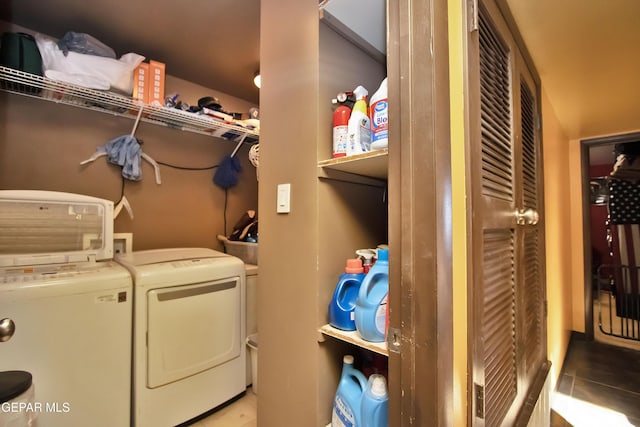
x: 21, y: 83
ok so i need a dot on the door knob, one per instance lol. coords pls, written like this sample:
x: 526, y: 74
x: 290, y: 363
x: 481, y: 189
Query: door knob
x: 7, y: 328
x: 527, y: 216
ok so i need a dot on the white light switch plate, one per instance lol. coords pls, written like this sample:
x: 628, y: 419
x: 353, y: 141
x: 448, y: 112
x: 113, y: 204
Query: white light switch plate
x: 284, y: 198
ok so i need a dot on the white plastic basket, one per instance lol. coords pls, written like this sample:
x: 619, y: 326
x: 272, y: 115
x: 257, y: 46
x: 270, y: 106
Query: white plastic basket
x: 252, y: 343
x: 246, y: 251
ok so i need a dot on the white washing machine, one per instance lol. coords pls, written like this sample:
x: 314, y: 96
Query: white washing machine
x: 189, y: 328
x: 65, y: 314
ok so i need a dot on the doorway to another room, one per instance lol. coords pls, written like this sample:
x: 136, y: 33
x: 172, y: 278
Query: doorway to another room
x: 611, y: 232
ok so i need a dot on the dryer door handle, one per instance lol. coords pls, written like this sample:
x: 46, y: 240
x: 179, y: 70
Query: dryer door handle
x: 7, y: 329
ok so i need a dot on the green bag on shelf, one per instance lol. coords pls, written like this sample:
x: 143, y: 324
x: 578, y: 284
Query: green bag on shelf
x: 20, y: 52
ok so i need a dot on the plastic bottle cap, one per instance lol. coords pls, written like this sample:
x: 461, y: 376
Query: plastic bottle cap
x: 354, y: 266
x: 360, y: 92
x: 378, y: 385
x: 383, y: 255
x: 366, y: 253
x: 348, y: 359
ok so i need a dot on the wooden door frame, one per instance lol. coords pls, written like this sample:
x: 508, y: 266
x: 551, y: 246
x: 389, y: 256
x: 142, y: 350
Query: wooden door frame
x: 420, y: 229
x: 585, y: 145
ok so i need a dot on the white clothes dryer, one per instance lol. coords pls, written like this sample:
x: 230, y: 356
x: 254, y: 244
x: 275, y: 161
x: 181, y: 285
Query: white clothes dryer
x: 189, y: 327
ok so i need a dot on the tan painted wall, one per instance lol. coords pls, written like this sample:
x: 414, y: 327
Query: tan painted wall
x: 303, y: 65
x: 459, y: 211
x: 577, y: 243
x: 42, y: 144
x: 559, y: 240
x: 289, y: 357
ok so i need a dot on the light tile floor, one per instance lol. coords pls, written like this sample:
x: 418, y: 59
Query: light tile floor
x: 241, y: 413
x: 599, y: 385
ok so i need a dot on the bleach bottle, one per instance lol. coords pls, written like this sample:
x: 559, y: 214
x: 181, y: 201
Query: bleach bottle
x: 371, y: 304
x: 343, y: 303
x: 379, y: 118
x: 374, y: 408
x: 347, y: 402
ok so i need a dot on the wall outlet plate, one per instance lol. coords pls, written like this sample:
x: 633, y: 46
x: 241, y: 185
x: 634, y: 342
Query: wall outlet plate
x: 122, y: 243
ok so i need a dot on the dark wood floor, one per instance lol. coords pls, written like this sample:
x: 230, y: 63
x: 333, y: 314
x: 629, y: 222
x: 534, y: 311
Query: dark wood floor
x: 603, y: 375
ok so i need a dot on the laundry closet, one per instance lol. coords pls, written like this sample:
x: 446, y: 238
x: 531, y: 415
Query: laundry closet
x: 51, y: 139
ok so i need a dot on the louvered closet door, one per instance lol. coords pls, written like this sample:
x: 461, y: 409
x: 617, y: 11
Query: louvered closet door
x: 507, y: 280
x: 531, y: 289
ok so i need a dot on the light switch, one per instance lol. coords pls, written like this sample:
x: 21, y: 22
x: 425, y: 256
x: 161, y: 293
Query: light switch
x: 284, y: 198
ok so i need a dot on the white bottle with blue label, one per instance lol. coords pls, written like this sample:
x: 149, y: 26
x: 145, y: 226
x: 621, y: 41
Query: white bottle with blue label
x: 371, y: 304
x: 348, y: 398
x: 375, y: 403
x: 379, y: 111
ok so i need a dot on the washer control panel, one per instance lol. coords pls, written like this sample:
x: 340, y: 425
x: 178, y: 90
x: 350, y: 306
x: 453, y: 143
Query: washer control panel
x: 29, y: 274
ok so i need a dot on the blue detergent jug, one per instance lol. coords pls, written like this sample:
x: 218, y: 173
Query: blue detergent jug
x: 374, y: 408
x: 371, y: 304
x: 348, y: 398
x: 343, y: 303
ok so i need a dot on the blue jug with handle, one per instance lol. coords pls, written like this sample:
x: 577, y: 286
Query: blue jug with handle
x: 371, y: 304
x: 343, y: 303
x: 375, y: 403
x: 348, y: 398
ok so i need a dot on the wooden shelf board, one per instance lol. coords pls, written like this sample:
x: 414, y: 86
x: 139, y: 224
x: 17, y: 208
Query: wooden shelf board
x: 352, y: 337
x: 372, y: 164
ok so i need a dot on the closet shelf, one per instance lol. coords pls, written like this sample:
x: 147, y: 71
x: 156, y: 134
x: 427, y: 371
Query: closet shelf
x: 366, y: 168
x: 352, y: 337
x: 21, y: 83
